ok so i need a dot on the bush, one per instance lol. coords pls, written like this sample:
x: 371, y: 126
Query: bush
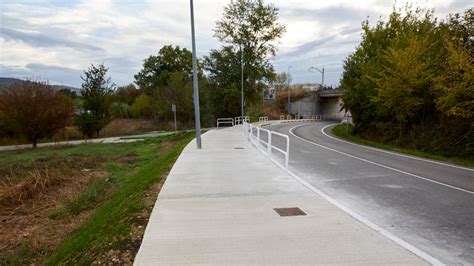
x: 35, y: 110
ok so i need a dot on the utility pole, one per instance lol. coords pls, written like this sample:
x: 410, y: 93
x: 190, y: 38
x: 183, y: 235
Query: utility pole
x: 241, y: 82
x: 320, y: 71
x: 197, y: 117
x: 288, y: 80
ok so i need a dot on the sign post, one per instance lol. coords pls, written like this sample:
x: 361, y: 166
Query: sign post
x: 348, y: 115
x: 173, y: 109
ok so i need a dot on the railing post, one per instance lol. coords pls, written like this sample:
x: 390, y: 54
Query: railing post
x: 269, y: 145
x: 258, y: 136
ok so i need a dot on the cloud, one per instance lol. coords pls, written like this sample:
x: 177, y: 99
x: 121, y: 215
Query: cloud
x: 315, y: 44
x: 329, y: 15
x: 40, y: 40
x: 56, y: 39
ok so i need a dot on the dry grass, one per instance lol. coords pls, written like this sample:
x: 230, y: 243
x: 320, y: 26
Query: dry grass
x: 25, y: 209
x: 24, y: 181
x: 33, y: 185
x: 279, y: 107
x: 124, y: 126
x: 52, y: 198
x: 117, y: 127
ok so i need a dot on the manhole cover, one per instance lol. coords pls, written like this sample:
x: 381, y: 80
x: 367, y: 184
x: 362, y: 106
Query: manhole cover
x: 295, y: 211
x: 239, y: 148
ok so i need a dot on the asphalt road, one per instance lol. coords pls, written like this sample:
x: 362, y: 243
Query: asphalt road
x: 428, y: 204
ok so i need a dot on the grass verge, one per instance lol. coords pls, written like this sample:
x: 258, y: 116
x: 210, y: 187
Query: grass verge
x: 340, y: 131
x: 112, y: 221
x: 84, y: 204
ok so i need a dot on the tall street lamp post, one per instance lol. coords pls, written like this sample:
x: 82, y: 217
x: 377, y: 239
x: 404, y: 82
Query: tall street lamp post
x: 288, y: 79
x: 241, y: 82
x: 320, y: 71
x: 197, y: 118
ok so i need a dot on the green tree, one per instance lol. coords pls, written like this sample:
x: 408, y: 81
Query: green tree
x: 410, y: 80
x: 281, y: 81
x: 224, y: 77
x: 249, y: 31
x: 120, y: 110
x: 456, y: 86
x: 143, y: 107
x: 404, y: 76
x: 157, y: 70
x: 96, y: 93
x: 167, y: 79
x: 126, y: 94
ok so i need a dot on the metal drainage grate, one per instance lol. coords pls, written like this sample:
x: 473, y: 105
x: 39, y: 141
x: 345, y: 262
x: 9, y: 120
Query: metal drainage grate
x: 239, y: 148
x: 295, y: 211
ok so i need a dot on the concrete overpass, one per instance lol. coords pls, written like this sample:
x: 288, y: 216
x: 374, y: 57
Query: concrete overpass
x: 322, y: 102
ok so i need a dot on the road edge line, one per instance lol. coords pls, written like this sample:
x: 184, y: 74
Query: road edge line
x: 393, y: 153
x: 378, y: 164
x: 423, y: 255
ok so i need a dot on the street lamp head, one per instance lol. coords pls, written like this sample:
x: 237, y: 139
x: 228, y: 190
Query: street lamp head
x: 314, y: 68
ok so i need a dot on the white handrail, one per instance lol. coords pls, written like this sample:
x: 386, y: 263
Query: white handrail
x: 225, y: 121
x: 237, y: 120
x: 263, y: 120
x: 266, y: 146
x: 240, y: 119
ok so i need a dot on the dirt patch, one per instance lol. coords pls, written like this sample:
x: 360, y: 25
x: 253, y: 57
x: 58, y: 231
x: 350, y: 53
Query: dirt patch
x: 129, y: 158
x: 29, y: 194
x: 165, y: 147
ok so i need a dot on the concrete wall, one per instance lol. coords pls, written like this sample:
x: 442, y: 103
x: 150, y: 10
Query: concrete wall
x: 306, y: 106
x: 316, y: 105
x: 331, y: 105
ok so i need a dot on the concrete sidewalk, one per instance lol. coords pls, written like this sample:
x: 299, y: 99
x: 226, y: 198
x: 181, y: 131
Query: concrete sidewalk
x: 217, y: 207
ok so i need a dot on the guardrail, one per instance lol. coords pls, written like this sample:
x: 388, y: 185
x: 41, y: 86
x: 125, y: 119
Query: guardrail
x: 298, y: 118
x: 225, y: 121
x: 263, y: 120
x: 253, y: 134
x: 240, y: 119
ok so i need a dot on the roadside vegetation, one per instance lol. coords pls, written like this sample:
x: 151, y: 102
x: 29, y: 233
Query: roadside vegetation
x: 347, y: 132
x: 248, y: 32
x: 410, y: 82
x: 81, y: 204
x: 89, y: 204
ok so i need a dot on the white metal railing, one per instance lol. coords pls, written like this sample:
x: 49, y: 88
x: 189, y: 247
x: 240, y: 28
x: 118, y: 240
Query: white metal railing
x: 253, y: 134
x: 240, y: 119
x: 263, y: 120
x: 298, y: 118
x: 225, y: 121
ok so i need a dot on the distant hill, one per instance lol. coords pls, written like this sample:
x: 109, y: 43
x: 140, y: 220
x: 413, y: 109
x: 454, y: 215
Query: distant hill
x: 6, y: 82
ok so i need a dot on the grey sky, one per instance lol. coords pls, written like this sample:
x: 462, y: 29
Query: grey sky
x: 57, y: 39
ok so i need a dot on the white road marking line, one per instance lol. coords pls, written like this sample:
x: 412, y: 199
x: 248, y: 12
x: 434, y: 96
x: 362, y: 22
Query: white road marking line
x: 393, y: 153
x: 381, y: 165
x: 430, y: 259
